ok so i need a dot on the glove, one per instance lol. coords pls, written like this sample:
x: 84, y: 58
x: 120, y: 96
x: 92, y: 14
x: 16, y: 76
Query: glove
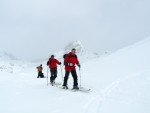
x: 70, y: 64
x: 79, y: 65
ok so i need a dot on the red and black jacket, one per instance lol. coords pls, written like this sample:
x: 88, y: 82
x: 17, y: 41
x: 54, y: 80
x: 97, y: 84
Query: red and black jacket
x: 70, y: 58
x: 52, y: 63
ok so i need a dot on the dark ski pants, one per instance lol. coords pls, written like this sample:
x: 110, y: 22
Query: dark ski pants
x: 74, y: 75
x: 40, y: 75
x: 53, y: 75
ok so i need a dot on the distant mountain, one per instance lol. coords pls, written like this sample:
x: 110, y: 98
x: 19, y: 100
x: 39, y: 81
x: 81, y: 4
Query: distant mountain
x: 7, y: 56
x: 11, y: 64
x: 82, y: 53
x: 77, y: 45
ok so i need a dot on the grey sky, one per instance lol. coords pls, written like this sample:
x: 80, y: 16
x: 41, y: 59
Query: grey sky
x: 32, y: 29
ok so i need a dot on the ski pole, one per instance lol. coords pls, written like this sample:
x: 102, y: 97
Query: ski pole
x: 47, y: 76
x: 61, y: 73
x: 80, y: 76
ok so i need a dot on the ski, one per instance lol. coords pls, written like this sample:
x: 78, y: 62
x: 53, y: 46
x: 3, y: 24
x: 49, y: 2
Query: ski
x: 77, y: 90
x: 81, y: 90
x: 55, y: 84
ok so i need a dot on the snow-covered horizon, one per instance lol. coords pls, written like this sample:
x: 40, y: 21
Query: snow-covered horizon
x: 9, y: 62
x: 83, y: 54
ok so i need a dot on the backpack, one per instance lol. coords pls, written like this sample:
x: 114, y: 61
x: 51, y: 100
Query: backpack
x: 66, y: 56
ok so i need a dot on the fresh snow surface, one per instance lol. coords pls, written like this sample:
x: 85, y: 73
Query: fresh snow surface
x: 120, y: 83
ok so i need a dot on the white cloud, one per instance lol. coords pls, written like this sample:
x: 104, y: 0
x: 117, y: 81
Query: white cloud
x: 35, y: 28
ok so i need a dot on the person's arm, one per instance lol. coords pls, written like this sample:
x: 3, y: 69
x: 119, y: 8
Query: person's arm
x: 77, y: 62
x: 58, y: 62
x: 47, y: 63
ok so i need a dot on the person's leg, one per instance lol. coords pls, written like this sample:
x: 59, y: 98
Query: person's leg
x: 66, y: 78
x: 42, y: 75
x: 55, y: 75
x: 75, y: 78
x: 38, y: 75
x: 52, y: 75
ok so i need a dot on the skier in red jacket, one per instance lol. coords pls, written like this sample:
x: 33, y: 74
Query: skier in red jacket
x: 52, y: 63
x: 70, y: 60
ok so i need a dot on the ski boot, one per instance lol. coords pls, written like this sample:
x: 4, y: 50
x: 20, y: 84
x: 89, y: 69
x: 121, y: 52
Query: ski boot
x: 65, y: 87
x: 52, y: 82
x: 75, y: 88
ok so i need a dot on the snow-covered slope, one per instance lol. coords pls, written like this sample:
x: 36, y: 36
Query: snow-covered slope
x: 10, y: 64
x: 122, y: 79
x: 6, y: 56
x: 120, y: 83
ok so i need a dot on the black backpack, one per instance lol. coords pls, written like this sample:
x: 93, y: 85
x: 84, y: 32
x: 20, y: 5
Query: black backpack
x: 65, y: 56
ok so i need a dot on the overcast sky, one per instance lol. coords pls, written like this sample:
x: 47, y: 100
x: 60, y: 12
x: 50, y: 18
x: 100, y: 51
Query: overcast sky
x: 32, y: 29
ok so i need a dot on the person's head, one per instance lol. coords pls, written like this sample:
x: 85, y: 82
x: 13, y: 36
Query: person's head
x: 73, y: 51
x: 52, y: 56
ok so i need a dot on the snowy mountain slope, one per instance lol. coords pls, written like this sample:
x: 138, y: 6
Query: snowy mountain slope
x: 7, y: 56
x: 75, y: 44
x: 10, y: 64
x: 120, y: 83
x: 82, y: 53
x: 123, y: 80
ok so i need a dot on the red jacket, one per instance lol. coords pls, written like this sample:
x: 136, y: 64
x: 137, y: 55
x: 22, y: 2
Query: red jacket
x: 70, y: 58
x: 52, y: 63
